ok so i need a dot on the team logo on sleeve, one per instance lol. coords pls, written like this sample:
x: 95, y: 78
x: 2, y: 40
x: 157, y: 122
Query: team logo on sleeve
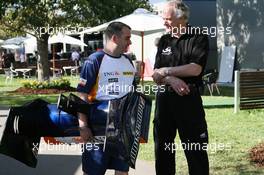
x: 82, y: 82
x: 89, y: 61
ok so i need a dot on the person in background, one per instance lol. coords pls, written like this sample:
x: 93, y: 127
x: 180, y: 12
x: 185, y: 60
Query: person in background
x: 75, y: 56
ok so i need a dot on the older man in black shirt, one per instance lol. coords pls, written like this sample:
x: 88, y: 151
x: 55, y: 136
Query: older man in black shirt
x: 179, y: 64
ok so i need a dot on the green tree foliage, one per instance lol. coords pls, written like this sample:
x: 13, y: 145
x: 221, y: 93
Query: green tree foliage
x: 107, y: 10
x: 41, y: 17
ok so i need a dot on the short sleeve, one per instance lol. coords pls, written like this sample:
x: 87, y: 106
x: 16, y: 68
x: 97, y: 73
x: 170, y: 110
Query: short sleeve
x: 89, y: 74
x: 158, y: 53
x: 200, y: 50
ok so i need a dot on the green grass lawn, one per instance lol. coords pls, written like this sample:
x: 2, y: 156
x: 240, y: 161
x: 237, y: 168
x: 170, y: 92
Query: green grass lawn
x: 7, y: 99
x: 230, y: 135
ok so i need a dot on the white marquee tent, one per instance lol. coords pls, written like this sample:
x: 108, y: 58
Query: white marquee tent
x: 146, y: 27
x: 62, y: 38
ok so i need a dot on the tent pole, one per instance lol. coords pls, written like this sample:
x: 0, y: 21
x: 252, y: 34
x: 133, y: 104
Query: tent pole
x: 64, y: 47
x: 53, y: 60
x: 142, y: 66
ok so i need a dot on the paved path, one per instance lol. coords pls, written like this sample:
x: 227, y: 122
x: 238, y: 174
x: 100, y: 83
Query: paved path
x: 3, y: 111
x: 57, y: 162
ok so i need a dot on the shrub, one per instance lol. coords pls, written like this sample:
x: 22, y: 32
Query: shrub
x: 52, y: 84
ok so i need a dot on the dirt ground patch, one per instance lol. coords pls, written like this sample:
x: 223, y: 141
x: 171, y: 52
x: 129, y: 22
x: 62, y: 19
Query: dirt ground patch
x: 257, y: 155
x: 28, y: 91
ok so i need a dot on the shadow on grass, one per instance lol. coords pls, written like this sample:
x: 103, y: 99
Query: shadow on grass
x: 244, y: 170
x: 7, y: 99
x: 218, y: 106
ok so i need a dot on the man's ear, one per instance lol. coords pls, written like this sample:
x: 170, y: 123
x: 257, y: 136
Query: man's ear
x: 115, y: 38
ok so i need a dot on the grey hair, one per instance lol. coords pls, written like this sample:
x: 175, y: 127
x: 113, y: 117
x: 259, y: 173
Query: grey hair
x: 180, y: 9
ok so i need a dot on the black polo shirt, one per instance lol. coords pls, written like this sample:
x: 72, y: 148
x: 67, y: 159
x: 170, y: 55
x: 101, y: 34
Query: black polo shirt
x: 189, y: 48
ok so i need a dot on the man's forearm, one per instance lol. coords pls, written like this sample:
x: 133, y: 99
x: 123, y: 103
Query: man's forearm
x: 82, y: 118
x: 188, y: 70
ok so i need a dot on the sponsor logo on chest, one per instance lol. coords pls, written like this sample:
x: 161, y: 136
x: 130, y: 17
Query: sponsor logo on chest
x: 112, y: 80
x: 128, y: 73
x: 166, y: 51
x: 108, y: 74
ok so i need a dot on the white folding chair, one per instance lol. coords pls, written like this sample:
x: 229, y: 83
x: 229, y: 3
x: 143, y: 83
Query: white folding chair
x: 10, y: 74
x: 74, y: 71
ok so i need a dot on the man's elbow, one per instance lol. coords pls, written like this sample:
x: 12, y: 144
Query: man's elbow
x: 196, y: 69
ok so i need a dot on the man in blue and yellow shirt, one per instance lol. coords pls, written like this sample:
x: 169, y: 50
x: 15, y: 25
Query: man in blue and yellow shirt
x: 106, y: 75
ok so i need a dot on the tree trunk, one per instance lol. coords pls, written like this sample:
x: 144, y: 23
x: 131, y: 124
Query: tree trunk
x: 43, y: 62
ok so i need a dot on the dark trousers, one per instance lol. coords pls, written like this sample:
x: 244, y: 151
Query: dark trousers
x: 186, y: 115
